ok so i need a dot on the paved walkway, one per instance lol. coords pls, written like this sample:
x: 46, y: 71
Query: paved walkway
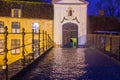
x: 74, y: 64
x: 14, y: 68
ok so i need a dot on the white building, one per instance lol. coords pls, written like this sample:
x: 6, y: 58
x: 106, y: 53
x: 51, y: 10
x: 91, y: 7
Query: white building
x: 70, y: 22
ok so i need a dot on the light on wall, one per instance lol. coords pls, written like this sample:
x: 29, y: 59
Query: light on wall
x: 36, y: 27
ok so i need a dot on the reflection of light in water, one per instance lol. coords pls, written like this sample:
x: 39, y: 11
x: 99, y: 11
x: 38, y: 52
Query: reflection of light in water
x: 68, y: 63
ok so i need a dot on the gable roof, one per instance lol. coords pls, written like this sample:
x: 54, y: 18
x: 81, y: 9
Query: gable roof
x: 71, y: 2
x: 29, y: 9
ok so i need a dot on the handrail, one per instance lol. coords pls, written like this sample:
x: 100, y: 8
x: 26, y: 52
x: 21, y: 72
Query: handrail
x: 46, y: 41
x: 108, y: 43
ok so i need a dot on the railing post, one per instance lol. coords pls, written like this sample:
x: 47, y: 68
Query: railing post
x: 5, y: 60
x: 51, y: 43
x: 33, y: 44
x: 100, y: 41
x: 91, y: 41
x: 43, y: 40
x: 96, y: 41
x: 39, y: 42
x: 23, y: 46
x: 46, y: 40
x: 104, y: 43
x: 110, y: 42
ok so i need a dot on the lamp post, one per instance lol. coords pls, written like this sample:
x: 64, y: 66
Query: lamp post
x: 110, y: 43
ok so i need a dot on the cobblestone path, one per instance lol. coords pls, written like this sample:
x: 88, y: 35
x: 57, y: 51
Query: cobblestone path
x: 74, y: 64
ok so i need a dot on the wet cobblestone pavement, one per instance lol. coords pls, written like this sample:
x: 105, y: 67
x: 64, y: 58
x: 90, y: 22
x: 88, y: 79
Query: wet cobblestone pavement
x: 74, y: 64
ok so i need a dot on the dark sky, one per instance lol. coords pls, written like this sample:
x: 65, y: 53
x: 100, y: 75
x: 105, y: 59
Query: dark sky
x: 92, y: 8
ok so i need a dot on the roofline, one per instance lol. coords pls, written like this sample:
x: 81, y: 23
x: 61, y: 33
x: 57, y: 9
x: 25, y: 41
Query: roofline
x: 73, y: 3
x: 35, y: 2
x: 84, y: 2
x: 26, y: 18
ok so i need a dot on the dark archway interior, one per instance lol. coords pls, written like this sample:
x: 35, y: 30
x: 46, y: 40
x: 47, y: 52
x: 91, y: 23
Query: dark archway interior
x: 69, y: 30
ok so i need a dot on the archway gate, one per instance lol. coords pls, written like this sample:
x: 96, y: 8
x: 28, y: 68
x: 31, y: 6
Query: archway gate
x: 69, y: 35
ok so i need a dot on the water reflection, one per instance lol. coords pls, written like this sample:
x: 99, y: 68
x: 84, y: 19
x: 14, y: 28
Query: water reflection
x: 74, y: 64
x: 69, y: 63
x: 60, y: 64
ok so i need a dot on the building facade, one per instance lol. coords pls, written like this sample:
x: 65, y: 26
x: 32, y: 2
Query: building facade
x: 18, y: 15
x: 66, y: 24
x: 70, y: 23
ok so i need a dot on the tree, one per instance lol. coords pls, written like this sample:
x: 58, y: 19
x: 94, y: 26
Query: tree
x: 110, y: 7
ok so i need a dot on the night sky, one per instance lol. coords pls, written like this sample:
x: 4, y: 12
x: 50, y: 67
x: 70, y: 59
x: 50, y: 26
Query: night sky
x: 111, y: 8
x: 91, y: 7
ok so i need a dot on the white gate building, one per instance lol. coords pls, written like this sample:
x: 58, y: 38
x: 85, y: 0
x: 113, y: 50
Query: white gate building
x: 70, y: 22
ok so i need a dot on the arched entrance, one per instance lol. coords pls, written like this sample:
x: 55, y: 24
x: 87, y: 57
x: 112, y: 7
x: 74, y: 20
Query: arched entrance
x: 69, y: 35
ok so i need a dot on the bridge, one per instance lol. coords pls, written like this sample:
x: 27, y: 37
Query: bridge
x: 93, y: 62
x: 73, y: 64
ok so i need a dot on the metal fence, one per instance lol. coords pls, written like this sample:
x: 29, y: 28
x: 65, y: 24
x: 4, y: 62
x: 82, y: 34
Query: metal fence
x: 43, y: 44
x: 109, y: 43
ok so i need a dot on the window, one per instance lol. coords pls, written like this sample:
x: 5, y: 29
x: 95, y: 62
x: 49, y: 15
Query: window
x: 15, y: 43
x: 15, y: 27
x: 1, y: 45
x: 1, y: 27
x: 35, y: 27
x: 16, y: 12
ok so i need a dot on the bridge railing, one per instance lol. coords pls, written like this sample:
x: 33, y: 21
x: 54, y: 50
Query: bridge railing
x: 29, y: 50
x: 109, y: 43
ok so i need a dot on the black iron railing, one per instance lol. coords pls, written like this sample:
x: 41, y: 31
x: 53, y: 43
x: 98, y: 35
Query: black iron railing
x: 43, y: 44
x: 108, y: 43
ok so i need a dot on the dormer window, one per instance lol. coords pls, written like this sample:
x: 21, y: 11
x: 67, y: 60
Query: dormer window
x: 16, y: 13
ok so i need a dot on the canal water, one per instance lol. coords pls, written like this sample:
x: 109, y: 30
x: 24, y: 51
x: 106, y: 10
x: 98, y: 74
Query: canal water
x: 74, y: 64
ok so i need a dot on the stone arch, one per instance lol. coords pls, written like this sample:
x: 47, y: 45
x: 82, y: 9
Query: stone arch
x: 69, y: 31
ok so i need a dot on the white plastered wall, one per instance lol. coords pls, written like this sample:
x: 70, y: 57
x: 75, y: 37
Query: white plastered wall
x: 80, y: 11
